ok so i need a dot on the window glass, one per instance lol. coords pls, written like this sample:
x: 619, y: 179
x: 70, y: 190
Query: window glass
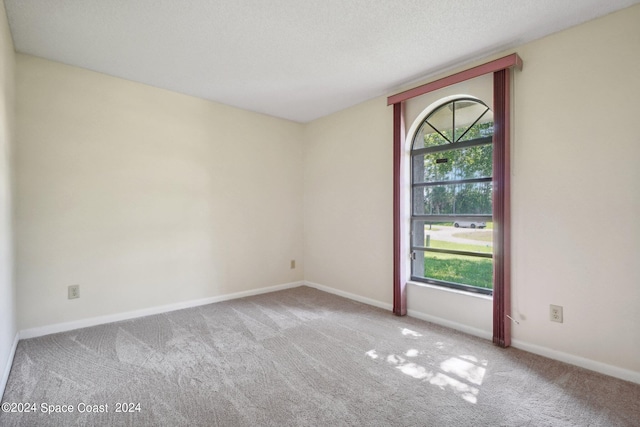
x: 450, y: 165
x: 452, y: 196
x: 456, y: 269
x: 453, y: 199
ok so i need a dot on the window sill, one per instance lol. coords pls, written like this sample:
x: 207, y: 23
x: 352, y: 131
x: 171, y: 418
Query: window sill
x: 450, y: 290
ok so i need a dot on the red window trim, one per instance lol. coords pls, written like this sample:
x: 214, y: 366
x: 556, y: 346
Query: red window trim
x: 502, y: 185
x: 399, y: 275
x: 506, y: 62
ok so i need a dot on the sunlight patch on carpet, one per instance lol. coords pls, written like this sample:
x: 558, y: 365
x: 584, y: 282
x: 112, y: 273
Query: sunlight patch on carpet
x: 457, y: 373
x: 464, y: 369
x: 409, y: 332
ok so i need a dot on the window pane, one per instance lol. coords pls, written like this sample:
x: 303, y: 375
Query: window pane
x: 453, y: 199
x: 465, y: 163
x: 427, y: 137
x: 483, y: 128
x: 472, y: 120
x: 460, y: 269
x: 423, y: 232
x: 467, y: 112
x: 469, y: 236
x: 461, y: 239
x: 442, y: 120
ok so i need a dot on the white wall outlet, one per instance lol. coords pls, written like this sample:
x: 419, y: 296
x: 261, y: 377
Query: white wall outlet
x: 293, y: 263
x: 555, y: 313
x: 73, y: 292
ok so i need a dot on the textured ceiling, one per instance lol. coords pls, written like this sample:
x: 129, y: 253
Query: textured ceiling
x: 295, y: 59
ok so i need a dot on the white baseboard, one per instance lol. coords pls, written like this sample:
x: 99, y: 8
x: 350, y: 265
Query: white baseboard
x: 349, y: 295
x: 413, y: 313
x: 592, y: 365
x: 450, y: 324
x: 100, y: 320
x: 7, y: 369
x: 603, y: 368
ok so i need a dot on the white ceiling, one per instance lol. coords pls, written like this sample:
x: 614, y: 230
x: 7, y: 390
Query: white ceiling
x: 295, y: 59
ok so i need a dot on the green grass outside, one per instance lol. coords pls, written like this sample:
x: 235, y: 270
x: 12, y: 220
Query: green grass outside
x: 439, y: 244
x: 482, y: 236
x: 458, y: 269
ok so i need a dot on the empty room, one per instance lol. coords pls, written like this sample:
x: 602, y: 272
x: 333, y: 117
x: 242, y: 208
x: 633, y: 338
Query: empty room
x: 350, y: 213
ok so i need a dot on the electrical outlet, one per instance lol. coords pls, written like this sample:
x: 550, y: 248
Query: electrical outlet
x: 73, y: 292
x: 555, y: 313
x: 293, y: 263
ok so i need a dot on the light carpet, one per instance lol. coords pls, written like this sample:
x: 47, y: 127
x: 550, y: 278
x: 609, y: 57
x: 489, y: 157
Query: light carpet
x: 301, y: 357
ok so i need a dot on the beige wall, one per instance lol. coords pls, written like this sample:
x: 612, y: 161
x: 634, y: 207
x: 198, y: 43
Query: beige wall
x: 348, y: 189
x: 8, y: 326
x: 146, y: 197
x: 576, y: 200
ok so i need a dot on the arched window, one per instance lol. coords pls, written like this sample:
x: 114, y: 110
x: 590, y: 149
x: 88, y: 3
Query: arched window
x: 501, y: 69
x: 451, y: 196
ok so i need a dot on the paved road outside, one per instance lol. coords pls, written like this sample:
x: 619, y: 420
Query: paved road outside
x: 446, y: 234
